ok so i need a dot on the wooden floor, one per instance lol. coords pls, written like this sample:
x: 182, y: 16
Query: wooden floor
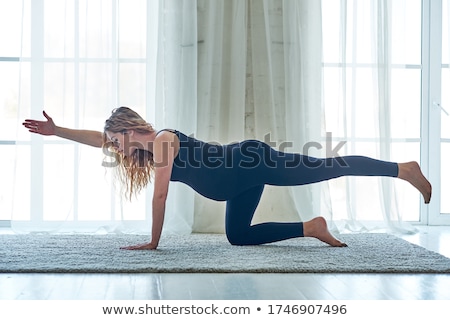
x: 238, y: 286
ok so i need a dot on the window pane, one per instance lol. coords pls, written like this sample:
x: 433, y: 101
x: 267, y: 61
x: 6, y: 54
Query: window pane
x: 406, y: 31
x: 445, y: 173
x: 360, y: 31
x: 59, y: 182
x: 132, y: 210
x: 359, y: 40
x: 445, y: 72
x: 365, y: 103
x: 10, y: 28
x: 351, y: 108
x: 96, y: 28
x: 59, y: 24
x: 12, y: 84
x: 15, y: 186
x: 7, y: 171
x: 96, y: 88
x: 132, y: 28
x: 132, y: 85
x: 445, y: 31
x: 94, y: 187
x: 331, y: 27
x: 334, y: 101
x: 59, y: 94
x: 9, y: 96
x: 445, y: 102
x: 405, y: 103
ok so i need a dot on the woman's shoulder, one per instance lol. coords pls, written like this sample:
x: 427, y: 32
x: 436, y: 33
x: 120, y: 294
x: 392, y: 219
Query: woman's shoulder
x: 173, y: 132
x: 167, y: 130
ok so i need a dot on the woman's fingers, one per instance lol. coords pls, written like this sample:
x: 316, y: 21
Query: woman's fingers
x: 144, y: 246
x: 31, y: 125
x: 46, y: 116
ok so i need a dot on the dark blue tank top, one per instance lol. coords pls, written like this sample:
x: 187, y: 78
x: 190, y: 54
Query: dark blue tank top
x: 221, y: 172
x: 206, y: 167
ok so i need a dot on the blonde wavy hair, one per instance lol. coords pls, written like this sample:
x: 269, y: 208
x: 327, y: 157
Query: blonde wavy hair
x: 134, y: 172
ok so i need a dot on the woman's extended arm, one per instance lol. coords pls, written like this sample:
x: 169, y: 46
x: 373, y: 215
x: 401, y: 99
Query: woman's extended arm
x: 48, y: 128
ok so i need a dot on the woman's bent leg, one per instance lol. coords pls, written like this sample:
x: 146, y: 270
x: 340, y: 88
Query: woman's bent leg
x: 317, y: 228
x: 238, y: 219
x: 239, y: 214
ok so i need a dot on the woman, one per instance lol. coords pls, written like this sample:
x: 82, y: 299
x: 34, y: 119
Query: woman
x: 235, y: 173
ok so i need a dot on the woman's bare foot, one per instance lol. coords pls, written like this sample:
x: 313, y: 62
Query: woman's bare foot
x: 317, y: 228
x: 410, y: 171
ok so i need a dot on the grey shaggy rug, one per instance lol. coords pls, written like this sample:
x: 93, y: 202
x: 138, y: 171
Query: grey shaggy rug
x: 197, y: 253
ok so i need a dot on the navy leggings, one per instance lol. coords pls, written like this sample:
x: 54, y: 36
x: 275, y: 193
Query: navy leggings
x: 241, y: 208
x: 238, y: 218
x: 237, y: 174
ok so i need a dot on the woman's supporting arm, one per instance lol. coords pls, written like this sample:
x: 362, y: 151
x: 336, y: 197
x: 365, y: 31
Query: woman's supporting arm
x: 163, y: 157
x: 48, y: 128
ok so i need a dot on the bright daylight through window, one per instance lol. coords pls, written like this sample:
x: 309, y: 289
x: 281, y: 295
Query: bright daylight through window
x: 80, y: 56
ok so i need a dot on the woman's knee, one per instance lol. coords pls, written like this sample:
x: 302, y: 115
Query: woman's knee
x: 235, y: 238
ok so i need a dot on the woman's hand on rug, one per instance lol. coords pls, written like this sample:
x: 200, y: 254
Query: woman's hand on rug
x: 143, y: 246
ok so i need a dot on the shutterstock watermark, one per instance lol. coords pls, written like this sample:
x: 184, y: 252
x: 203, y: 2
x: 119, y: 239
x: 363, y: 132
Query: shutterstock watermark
x: 247, y: 154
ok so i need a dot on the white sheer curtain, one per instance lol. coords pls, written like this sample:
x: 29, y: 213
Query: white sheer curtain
x: 372, y: 102
x: 223, y: 71
x: 258, y: 76
x: 253, y: 69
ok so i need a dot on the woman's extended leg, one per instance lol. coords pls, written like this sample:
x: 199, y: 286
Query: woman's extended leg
x: 295, y: 169
x: 239, y: 214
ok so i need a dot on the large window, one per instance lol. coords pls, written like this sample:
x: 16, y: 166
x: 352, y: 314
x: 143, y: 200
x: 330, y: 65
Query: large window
x: 78, y: 59
x: 441, y: 109
x: 10, y: 82
x: 445, y: 105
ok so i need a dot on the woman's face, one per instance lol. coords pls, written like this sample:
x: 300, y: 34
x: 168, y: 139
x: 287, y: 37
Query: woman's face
x: 119, y: 142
